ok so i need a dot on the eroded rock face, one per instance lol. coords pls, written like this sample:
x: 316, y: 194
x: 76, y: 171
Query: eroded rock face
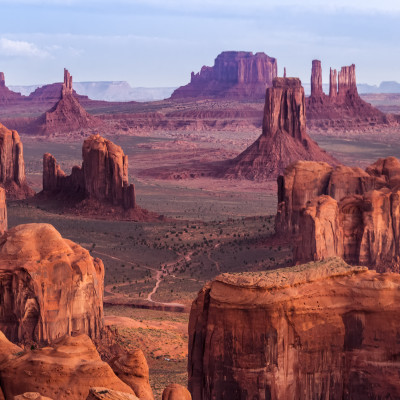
x: 103, y: 175
x: 284, y: 139
x: 176, y: 392
x: 343, y: 108
x: 49, y: 286
x: 345, y: 212
x: 234, y: 75
x: 67, y: 115
x: 132, y: 369
x: 3, y: 211
x: 65, y: 371
x: 308, y: 332
x: 12, y: 166
x: 101, y: 393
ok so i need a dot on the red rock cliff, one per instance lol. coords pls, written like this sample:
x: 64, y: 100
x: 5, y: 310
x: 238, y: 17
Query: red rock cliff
x: 12, y: 166
x: 315, y: 331
x: 103, y: 175
x: 50, y: 286
x: 345, y: 212
x: 3, y: 211
x: 234, y: 75
x: 284, y: 138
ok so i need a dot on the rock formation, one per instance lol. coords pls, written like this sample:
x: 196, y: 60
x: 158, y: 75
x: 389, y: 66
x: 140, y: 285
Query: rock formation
x: 239, y: 75
x: 103, y: 176
x: 12, y: 167
x: 7, y: 96
x: 314, y: 331
x: 176, y: 392
x: 284, y: 139
x: 64, y: 371
x: 343, y: 108
x: 101, y: 393
x: 3, y: 211
x: 344, y: 212
x: 50, y: 286
x: 31, y: 396
x: 132, y: 369
x: 67, y: 115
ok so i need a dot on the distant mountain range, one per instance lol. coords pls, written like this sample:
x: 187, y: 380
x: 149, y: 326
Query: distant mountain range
x: 122, y: 91
x: 110, y: 91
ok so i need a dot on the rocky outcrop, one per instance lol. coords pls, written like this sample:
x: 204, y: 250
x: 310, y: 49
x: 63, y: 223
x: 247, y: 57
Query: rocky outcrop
x: 102, y: 177
x: 343, y: 108
x: 314, y: 331
x: 3, y: 211
x: 7, y: 96
x: 49, y: 286
x: 66, y: 370
x: 12, y: 166
x: 234, y: 75
x: 132, y: 369
x: 67, y: 115
x: 176, y: 392
x: 31, y: 396
x: 284, y: 139
x: 101, y: 393
x: 344, y: 212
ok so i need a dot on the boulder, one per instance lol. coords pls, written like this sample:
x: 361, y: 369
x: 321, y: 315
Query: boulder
x: 64, y: 371
x: 101, y: 393
x: 50, y: 286
x: 176, y: 392
x: 316, y: 331
x: 132, y: 369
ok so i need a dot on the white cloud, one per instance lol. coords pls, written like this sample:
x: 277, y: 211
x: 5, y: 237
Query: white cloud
x: 20, y: 48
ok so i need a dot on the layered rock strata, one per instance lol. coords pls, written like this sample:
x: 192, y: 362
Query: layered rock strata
x: 234, y: 75
x: 66, y: 370
x: 284, y: 139
x: 342, y: 211
x: 49, y: 286
x: 12, y: 166
x: 67, y: 115
x: 343, y: 107
x: 315, y: 331
x: 103, y: 175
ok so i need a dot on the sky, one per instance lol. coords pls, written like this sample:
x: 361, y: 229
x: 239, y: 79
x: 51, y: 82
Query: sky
x: 155, y: 43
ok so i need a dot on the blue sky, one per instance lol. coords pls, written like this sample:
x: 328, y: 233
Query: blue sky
x: 159, y: 43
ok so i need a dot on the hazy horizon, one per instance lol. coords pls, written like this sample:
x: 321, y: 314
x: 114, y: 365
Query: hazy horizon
x: 158, y: 44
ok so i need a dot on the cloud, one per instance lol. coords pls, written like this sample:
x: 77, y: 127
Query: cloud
x: 19, y: 48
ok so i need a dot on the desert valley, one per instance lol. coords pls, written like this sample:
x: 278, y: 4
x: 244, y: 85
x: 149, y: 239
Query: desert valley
x: 237, y: 240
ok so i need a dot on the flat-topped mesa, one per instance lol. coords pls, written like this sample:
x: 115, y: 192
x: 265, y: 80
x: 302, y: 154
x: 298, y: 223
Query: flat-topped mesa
x: 102, y: 177
x: 343, y: 212
x: 313, y: 331
x: 51, y: 286
x: 3, y: 211
x: 12, y: 166
x: 235, y: 74
x: 284, y: 139
x: 316, y: 79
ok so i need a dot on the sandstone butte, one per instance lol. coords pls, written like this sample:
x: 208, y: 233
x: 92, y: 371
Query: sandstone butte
x: 235, y: 75
x: 343, y: 107
x: 12, y: 166
x: 343, y: 211
x: 66, y: 370
x: 67, y: 114
x: 284, y: 139
x: 50, y: 286
x: 316, y: 331
x: 100, y: 186
x: 7, y: 96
